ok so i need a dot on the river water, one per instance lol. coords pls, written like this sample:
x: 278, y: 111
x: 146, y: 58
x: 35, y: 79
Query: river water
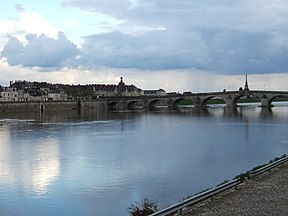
x: 99, y: 163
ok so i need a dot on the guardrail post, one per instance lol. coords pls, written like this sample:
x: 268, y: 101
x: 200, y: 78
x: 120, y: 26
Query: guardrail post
x: 245, y: 181
x: 212, y: 196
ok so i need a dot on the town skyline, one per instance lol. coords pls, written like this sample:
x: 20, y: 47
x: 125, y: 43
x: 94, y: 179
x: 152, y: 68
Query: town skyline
x: 22, y: 90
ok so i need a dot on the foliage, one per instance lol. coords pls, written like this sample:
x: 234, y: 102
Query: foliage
x: 143, y: 208
x: 188, y: 102
x: 248, y: 100
x: 242, y: 176
x: 185, y: 102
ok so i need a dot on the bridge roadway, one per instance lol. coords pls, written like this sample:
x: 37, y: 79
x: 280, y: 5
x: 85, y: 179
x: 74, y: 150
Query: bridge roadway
x: 199, y: 99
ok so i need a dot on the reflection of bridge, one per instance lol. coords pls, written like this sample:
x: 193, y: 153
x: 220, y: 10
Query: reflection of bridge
x: 199, y: 99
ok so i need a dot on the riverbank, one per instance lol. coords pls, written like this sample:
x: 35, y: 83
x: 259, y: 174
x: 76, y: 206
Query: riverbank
x: 263, y: 195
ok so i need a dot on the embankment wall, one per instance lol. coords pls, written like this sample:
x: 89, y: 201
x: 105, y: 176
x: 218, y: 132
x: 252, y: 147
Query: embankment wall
x: 49, y: 105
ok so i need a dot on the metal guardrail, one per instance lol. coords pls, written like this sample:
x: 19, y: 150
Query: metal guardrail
x: 197, y: 198
x: 268, y: 167
x: 221, y: 188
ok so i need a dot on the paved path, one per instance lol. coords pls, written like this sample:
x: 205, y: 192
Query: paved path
x: 263, y: 195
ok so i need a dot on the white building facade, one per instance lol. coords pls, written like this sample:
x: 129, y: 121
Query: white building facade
x: 9, y: 94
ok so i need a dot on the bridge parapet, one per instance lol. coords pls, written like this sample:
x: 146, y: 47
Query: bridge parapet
x: 199, y: 99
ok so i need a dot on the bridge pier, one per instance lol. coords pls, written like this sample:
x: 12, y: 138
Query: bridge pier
x: 230, y: 101
x: 42, y: 106
x: 197, y: 102
x: 171, y: 105
x: 80, y: 104
x: 265, y: 101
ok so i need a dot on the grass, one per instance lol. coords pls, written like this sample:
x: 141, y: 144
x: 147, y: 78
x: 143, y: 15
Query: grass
x: 246, y: 174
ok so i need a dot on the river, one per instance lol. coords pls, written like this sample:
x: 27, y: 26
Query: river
x: 99, y: 163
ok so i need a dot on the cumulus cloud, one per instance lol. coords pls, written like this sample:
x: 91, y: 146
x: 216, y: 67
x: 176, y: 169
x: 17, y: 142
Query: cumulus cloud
x: 25, y: 23
x: 33, y: 23
x: 39, y: 51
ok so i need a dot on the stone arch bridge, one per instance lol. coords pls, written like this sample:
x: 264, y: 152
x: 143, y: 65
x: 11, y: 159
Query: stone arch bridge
x: 199, y: 99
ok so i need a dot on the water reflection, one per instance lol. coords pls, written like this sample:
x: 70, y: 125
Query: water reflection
x: 250, y: 111
x: 227, y: 112
x: 46, y: 168
x: 34, y: 164
x: 87, y: 115
x: 4, y: 153
x: 69, y: 115
x: 230, y: 112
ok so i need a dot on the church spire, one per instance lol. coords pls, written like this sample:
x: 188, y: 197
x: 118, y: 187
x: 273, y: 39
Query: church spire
x: 246, y: 88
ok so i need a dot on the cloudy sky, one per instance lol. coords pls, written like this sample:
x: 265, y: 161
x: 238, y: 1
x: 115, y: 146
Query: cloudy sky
x: 178, y: 45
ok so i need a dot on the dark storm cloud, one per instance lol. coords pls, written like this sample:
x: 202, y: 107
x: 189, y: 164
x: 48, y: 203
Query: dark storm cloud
x: 39, y: 51
x: 153, y: 50
x: 220, y: 35
x: 224, y: 51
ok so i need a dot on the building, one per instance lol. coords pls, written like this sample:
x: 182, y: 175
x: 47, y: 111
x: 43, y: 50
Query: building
x: 102, y: 90
x: 35, y: 94
x: 121, y: 90
x: 43, y: 91
x: 9, y: 94
x: 159, y: 92
x: 56, y: 95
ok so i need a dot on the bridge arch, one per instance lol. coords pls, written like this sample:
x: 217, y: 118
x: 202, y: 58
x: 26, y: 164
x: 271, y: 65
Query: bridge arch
x: 178, y: 100
x: 252, y: 98
x: 152, y: 105
x: 267, y: 101
x: 131, y: 105
x: 219, y: 99
x: 112, y: 105
x: 176, y: 103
